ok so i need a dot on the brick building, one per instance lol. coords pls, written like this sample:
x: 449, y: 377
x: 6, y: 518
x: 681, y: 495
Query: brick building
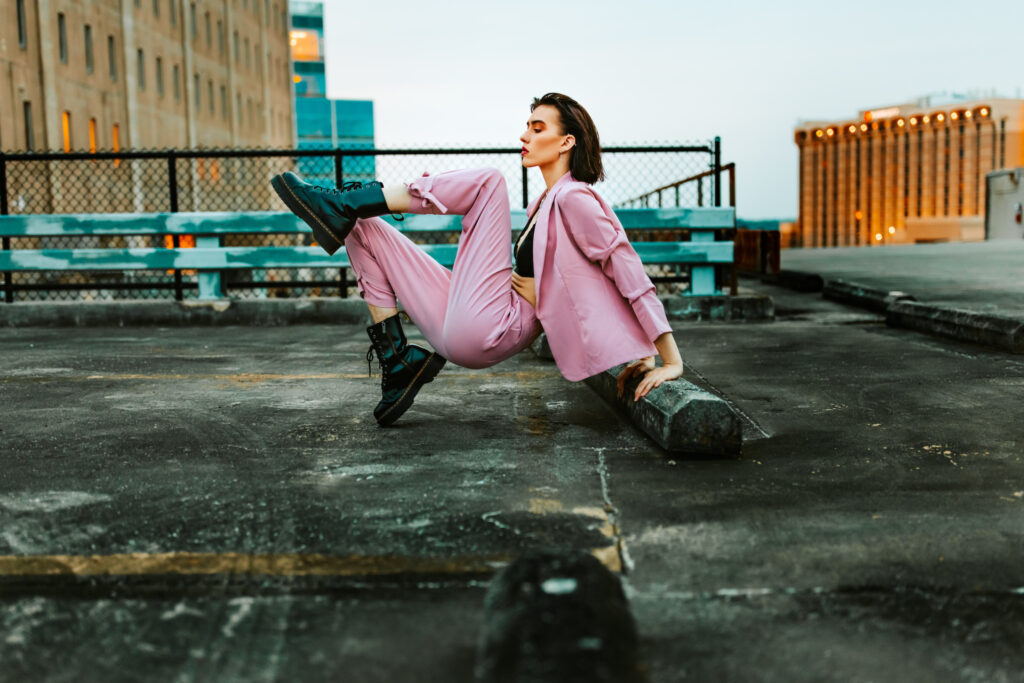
x: 115, y: 74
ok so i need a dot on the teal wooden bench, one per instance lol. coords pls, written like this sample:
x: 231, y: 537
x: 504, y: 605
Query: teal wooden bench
x: 209, y: 258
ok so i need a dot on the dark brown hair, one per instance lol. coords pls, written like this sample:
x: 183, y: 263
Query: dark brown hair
x: 585, y: 157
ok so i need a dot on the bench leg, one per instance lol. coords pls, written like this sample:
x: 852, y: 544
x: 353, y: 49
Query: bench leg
x: 702, y: 278
x: 209, y: 280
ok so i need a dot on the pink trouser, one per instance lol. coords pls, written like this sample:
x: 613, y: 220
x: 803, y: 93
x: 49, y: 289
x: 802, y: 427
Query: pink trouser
x: 469, y: 314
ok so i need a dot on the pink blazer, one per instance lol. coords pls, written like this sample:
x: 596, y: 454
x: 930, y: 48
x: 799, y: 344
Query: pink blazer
x: 594, y: 300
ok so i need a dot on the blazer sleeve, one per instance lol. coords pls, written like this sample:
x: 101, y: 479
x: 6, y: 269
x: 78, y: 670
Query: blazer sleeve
x: 600, y: 236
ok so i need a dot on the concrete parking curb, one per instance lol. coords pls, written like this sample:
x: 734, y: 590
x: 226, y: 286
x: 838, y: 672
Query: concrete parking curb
x: 902, y: 310
x: 262, y: 312
x: 980, y: 328
x: 796, y: 280
x: 858, y: 295
x: 541, y: 348
x: 557, y: 617
x: 679, y: 416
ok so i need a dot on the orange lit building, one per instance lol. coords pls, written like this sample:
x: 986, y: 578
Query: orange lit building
x: 905, y: 173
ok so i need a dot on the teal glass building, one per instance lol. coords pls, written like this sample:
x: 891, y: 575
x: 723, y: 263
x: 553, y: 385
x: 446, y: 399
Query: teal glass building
x: 323, y: 123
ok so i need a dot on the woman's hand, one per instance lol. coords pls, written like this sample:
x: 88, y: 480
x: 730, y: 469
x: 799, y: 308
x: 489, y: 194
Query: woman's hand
x: 524, y: 287
x: 653, y: 376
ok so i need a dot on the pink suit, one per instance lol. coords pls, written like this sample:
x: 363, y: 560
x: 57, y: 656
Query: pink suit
x: 596, y: 303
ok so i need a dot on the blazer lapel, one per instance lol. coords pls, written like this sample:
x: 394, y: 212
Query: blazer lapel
x: 540, y: 238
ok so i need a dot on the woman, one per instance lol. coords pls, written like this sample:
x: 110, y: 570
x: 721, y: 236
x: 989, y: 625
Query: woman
x: 576, y: 273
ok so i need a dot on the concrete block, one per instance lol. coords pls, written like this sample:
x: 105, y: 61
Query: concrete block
x: 679, y: 416
x: 541, y: 348
x: 748, y: 307
x: 860, y: 295
x: 555, y: 616
x: 1001, y: 332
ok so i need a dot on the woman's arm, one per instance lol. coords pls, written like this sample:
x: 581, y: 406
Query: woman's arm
x: 671, y: 368
x: 596, y: 231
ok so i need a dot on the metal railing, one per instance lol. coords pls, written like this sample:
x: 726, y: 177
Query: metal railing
x: 644, y: 200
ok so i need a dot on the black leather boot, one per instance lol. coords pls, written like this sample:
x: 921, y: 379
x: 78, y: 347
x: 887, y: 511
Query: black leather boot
x: 331, y: 212
x: 404, y: 368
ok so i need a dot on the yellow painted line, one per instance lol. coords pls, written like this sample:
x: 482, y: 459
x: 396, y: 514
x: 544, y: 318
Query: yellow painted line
x: 287, y: 564
x: 255, y: 378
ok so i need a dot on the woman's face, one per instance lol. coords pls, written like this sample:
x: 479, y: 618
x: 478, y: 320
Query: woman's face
x: 543, y: 139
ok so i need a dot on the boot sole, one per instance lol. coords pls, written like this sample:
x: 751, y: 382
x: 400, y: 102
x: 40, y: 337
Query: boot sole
x: 426, y: 374
x: 325, y: 237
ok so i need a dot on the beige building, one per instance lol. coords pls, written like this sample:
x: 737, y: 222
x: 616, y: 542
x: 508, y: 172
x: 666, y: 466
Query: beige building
x: 89, y: 75
x: 905, y: 173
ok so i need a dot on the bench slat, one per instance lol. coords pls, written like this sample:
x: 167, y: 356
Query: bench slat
x: 282, y: 222
x: 218, y: 258
x: 222, y: 258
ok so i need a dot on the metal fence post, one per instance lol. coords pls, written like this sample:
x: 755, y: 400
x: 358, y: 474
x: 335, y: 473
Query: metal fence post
x: 8, y: 283
x: 339, y: 178
x: 718, y: 171
x: 526, y: 193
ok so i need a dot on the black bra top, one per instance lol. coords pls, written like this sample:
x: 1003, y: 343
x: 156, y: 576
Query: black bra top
x: 524, y: 251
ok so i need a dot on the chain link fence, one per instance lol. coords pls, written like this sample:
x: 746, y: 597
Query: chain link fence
x: 213, y: 180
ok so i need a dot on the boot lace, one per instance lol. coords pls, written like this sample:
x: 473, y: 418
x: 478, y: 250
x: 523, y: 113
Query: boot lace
x: 353, y: 185
x: 380, y: 366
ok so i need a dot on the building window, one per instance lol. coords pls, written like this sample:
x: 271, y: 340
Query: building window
x: 66, y: 129
x: 220, y: 37
x: 960, y: 171
x: 92, y: 136
x: 195, y: 21
x: 172, y: 10
x: 156, y: 8
x: 30, y: 141
x: 111, y: 58
x: 1002, y: 143
x: 195, y: 88
x: 160, y: 76
x: 223, y: 102
x: 22, y: 27
x: 209, y: 36
x: 88, y: 49
x: 236, y: 47
x: 176, y: 74
x: 209, y: 95
x: 115, y: 142
x: 266, y: 11
x: 248, y: 59
x: 62, y: 38
x: 140, y: 65
x: 238, y: 107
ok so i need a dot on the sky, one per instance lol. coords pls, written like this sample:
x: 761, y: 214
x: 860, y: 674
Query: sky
x: 463, y: 72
